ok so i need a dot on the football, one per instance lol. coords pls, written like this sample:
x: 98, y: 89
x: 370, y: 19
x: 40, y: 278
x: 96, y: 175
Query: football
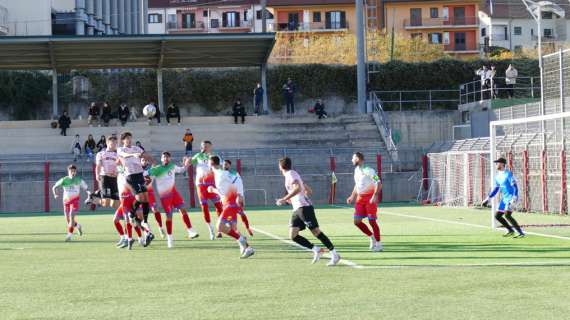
x: 149, y: 110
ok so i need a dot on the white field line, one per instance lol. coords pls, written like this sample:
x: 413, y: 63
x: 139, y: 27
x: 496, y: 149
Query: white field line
x: 289, y: 242
x: 457, y: 223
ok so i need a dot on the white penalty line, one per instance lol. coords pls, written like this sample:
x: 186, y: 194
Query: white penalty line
x: 458, y: 223
x: 289, y: 242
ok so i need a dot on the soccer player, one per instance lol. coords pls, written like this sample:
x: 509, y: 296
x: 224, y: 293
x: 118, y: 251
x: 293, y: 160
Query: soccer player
x: 106, y: 174
x: 367, y: 186
x: 130, y: 156
x: 505, y: 183
x: 71, y: 185
x: 122, y: 213
x: 165, y: 176
x: 205, y: 179
x: 151, y: 198
x: 303, y: 213
x: 227, y: 222
x: 239, y: 182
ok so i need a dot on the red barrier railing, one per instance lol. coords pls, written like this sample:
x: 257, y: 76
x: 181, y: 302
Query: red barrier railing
x: 46, y: 187
x: 543, y: 175
x: 379, y: 170
x: 563, y: 184
x: 332, y: 193
x: 191, y: 186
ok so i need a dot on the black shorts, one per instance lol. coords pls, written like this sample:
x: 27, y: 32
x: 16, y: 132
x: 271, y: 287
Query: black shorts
x: 136, y: 181
x: 304, y: 217
x: 109, y: 188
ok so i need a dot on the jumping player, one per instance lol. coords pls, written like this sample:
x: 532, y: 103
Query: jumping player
x: 205, y: 179
x: 303, y: 213
x: 367, y: 186
x: 170, y: 199
x: 71, y: 185
x: 505, y: 183
x: 227, y: 222
x: 106, y: 174
x: 239, y: 182
x: 130, y: 156
x: 151, y: 198
x: 122, y: 213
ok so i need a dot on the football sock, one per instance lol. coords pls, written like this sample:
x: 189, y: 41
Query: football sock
x: 129, y: 230
x: 245, y: 220
x: 302, y: 241
x: 168, y: 227
x: 364, y: 228
x: 119, y: 228
x: 375, y: 229
x: 146, y: 211
x: 70, y: 230
x: 158, y: 218
x: 513, y: 222
x: 234, y: 234
x: 504, y: 223
x: 219, y: 208
x: 325, y: 240
x: 186, y: 220
x: 206, y: 212
x: 138, y: 231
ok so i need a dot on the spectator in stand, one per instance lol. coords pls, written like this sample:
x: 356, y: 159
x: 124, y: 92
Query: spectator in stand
x: 483, y: 74
x: 134, y: 114
x: 320, y: 109
x: 157, y: 115
x: 258, y: 98
x: 76, y: 148
x: 139, y: 144
x: 124, y: 114
x: 172, y: 112
x: 188, y: 139
x: 106, y: 114
x: 511, y: 80
x: 239, y: 111
x: 64, y: 123
x: 102, y: 144
x: 93, y: 117
x: 90, y: 147
x: 493, y: 83
x: 289, y: 89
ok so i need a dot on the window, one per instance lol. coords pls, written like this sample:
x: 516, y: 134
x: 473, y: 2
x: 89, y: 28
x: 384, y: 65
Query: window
x: 434, y: 13
x: 205, y: 13
x: 483, y: 32
x: 188, y: 20
x: 316, y: 16
x: 335, y: 20
x: 172, y: 24
x: 446, y: 38
x: 230, y: 19
x: 245, y: 15
x: 417, y: 35
x: 546, y: 15
x: 517, y: 31
x: 506, y: 33
x: 531, y: 31
x: 435, y: 38
x: 214, y: 23
x: 548, y: 33
x: 268, y: 14
x: 154, y: 18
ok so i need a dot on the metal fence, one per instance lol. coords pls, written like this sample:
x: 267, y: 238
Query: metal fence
x: 525, y: 87
x: 418, y: 99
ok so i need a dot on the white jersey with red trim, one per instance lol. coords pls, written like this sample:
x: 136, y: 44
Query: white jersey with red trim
x: 300, y: 199
x: 365, y: 179
x: 165, y: 177
x: 130, y: 157
x: 71, y: 187
x: 107, y: 160
x: 227, y: 186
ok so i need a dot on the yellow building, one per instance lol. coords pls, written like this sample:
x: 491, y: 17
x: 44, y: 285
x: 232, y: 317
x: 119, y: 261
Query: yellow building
x: 453, y: 24
x: 313, y: 15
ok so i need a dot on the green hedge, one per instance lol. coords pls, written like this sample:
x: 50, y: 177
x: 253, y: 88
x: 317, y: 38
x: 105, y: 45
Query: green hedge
x: 22, y: 92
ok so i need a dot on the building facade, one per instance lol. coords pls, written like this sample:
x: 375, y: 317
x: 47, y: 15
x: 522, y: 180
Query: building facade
x: 313, y: 15
x: 199, y: 16
x: 73, y: 17
x: 510, y: 26
x: 453, y: 24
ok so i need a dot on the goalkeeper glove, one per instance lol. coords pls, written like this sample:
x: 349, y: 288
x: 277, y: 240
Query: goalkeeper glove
x: 485, y: 202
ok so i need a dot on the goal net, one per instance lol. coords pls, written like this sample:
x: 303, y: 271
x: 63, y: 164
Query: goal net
x: 536, y: 151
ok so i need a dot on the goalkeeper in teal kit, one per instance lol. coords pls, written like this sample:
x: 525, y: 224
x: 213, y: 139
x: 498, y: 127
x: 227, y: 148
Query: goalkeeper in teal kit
x: 506, y: 184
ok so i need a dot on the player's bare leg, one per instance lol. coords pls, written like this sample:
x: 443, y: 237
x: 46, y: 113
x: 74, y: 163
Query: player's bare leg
x: 231, y: 230
x: 186, y: 219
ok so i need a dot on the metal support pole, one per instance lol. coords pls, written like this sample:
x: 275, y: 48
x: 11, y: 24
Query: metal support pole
x: 128, y: 17
x: 133, y: 15
x: 114, y: 17
x: 99, y: 16
x: 121, y: 15
x: 145, y: 16
x: 265, y: 88
x: 361, y: 59
x: 107, y: 16
x: 55, y: 105
x: 80, y: 17
x: 492, y: 139
x: 90, y: 8
x: 561, y: 73
x: 263, y: 17
x: 160, y: 92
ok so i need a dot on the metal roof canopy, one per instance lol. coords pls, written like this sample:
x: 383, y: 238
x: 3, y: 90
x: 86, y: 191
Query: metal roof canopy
x: 139, y: 51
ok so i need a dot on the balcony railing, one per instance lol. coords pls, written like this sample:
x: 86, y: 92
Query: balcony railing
x: 202, y: 26
x: 3, y: 21
x: 460, y: 48
x: 549, y: 38
x: 309, y: 26
x: 441, y: 22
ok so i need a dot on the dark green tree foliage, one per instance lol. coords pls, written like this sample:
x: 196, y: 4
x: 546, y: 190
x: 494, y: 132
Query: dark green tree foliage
x: 22, y: 94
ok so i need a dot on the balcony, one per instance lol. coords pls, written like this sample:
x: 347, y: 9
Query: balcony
x: 445, y: 22
x: 461, y: 48
x: 3, y: 21
x: 202, y: 27
x: 337, y: 26
x: 549, y: 38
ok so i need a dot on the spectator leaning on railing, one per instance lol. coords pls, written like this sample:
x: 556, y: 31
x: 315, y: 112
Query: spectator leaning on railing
x: 106, y: 114
x: 124, y: 114
x: 172, y: 112
x: 511, y: 80
x: 238, y: 111
x: 76, y: 148
x: 89, y: 147
x: 64, y: 123
x: 101, y: 144
x: 258, y: 98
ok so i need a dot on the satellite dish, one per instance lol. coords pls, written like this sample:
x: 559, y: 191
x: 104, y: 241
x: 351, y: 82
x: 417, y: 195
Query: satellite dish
x: 547, y: 6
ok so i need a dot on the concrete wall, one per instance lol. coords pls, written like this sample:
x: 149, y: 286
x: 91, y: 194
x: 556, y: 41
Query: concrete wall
x: 28, y: 17
x: 422, y: 128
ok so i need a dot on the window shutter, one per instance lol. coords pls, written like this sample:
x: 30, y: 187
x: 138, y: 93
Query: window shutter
x: 224, y: 19
x: 343, y: 19
x: 237, y: 19
x: 159, y: 18
x: 327, y: 20
x: 193, y: 20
